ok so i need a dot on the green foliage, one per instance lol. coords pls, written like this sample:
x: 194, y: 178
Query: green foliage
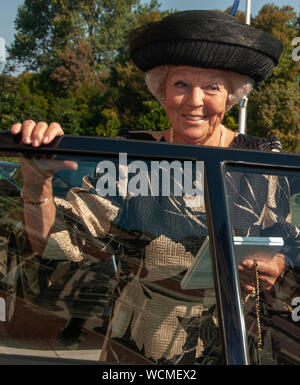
x: 18, y: 102
x: 275, y: 110
x: 110, y: 124
x: 274, y: 107
x: 82, y: 77
x: 46, y: 28
x: 231, y: 118
x: 153, y: 117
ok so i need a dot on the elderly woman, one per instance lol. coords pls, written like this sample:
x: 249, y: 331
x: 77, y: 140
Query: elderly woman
x: 198, y: 64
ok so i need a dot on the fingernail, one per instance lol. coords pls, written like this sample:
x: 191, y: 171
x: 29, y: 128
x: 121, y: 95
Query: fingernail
x: 27, y: 140
x: 35, y: 142
x: 46, y: 139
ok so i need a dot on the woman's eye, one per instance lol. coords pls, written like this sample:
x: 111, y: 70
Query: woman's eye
x: 212, y: 87
x: 181, y: 84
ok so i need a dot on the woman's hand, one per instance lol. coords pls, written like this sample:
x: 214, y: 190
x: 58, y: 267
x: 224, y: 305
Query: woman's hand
x: 37, y: 174
x: 269, y: 269
x: 35, y: 179
x: 36, y: 133
x: 39, y: 208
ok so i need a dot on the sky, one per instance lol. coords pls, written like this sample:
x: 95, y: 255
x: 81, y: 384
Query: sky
x: 8, y: 10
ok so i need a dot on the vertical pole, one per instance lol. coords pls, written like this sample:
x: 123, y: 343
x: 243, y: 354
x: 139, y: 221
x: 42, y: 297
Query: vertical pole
x: 248, y: 12
x: 235, y: 7
x: 244, y: 101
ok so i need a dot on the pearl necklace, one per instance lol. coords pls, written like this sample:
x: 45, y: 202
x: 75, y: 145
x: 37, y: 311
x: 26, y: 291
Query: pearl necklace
x: 222, y: 139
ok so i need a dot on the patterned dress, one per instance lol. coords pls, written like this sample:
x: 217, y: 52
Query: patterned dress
x: 154, y: 240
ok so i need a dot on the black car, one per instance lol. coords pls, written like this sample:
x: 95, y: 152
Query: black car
x: 7, y: 169
x: 59, y: 309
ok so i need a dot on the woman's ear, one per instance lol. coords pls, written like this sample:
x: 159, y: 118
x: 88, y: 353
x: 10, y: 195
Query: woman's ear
x: 228, y: 107
x: 228, y: 104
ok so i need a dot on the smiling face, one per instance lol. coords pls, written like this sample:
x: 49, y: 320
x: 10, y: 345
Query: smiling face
x: 196, y: 103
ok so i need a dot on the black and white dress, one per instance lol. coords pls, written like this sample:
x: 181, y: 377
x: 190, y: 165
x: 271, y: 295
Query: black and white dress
x: 154, y: 240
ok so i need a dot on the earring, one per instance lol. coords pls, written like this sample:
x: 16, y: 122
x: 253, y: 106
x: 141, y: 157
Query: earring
x: 163, y: 99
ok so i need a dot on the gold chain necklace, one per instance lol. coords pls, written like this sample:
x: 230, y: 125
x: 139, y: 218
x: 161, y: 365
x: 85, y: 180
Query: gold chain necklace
x: 256, y: 294
x: 223, y: 136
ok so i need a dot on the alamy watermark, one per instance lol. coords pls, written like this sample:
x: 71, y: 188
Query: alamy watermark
x: 154, y: 178
x: 296, y: 310
x: 2, y: 50
x: 296, y: 51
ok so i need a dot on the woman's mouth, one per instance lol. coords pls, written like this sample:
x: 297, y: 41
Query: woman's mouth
x: 196, y: 118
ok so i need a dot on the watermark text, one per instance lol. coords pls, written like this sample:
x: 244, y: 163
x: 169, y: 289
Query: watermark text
x: 296, y: 310
x: 2, y: 50
x: 155, y: 178
x: 296, y: 51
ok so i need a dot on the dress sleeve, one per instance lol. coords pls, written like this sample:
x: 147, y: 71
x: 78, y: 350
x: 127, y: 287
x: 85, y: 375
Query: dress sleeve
x: 85, y: 223
x: 275, y: 145
x: 278, y: 219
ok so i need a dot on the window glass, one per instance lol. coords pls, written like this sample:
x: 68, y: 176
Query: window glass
x: 113, y: 278
x: 263, y: 206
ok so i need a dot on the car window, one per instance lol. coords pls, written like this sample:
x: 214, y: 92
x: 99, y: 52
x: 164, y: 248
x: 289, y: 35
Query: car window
x: 263, y: 209
x: 117, y: 280
x: 7, y: 168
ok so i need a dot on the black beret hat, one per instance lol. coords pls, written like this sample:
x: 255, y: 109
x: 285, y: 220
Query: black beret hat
x: 208, y: 39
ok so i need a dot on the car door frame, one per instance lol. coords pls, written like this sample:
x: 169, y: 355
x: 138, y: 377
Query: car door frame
x: 232, y: 326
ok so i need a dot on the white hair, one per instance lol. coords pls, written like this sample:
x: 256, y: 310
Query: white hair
x: 240, y: 85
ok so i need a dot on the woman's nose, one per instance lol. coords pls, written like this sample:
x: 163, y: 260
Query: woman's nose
x: 196, y: 97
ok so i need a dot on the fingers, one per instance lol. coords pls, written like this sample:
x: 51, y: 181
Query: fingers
x: 33, y: 133
x: 268, y: 272
x: 37, y: 133
x: 26, y: 129
x: 247, y: 279
x: 53, y: 166
x: 53, y: 130
x: 37, y: 172
x: 16, y: 128
x: 69, y: 165
x: 249, y: 289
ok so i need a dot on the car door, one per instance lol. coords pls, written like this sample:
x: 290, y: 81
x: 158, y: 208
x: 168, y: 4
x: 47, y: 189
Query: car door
x: 59, y: 307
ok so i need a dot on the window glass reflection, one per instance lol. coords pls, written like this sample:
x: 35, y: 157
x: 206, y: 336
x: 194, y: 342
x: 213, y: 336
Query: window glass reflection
x: 108, y: 280
x: 264, y: 218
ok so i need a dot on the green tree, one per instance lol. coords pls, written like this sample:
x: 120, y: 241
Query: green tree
x: 21, y: 98
x: 283, y: 24
x: 45, y: 28
x: 80, y: 63
x: 74, y: 69
x: 274, y: 106
x: 153, y: 117
x: 275, y: 110
x: 82, y: 75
